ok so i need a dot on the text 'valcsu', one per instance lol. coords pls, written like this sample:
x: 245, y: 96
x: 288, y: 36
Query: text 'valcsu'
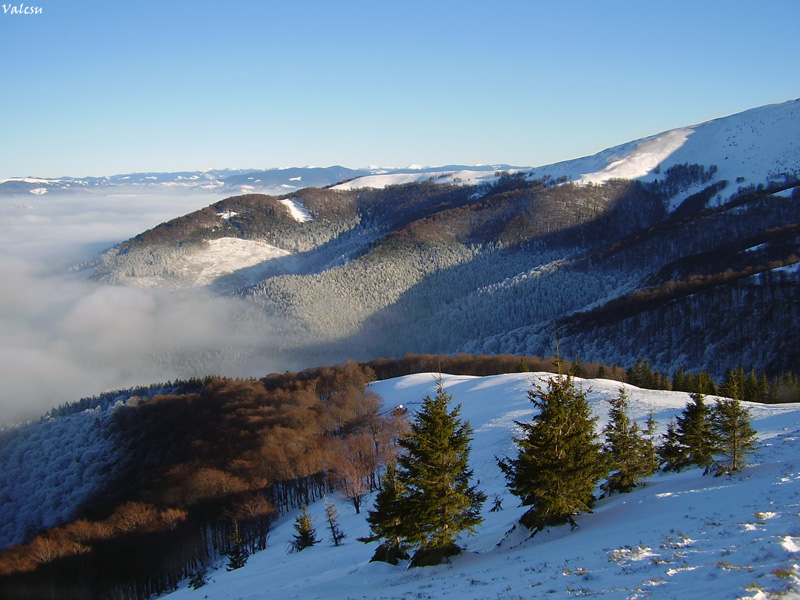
x: 10, y: 9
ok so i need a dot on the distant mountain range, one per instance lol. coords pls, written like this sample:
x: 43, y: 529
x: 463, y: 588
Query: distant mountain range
x: 681, y: 248
x: 225, y: 181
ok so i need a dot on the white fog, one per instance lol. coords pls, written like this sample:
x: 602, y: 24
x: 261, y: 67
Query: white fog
x: 63, y: 337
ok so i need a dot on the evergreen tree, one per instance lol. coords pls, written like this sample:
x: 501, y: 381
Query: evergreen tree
x: 694, y: 431
x: 237, y: 552
x: 389, y: 519
x: 750, y: 391
x: 735, y: 437
x: 332, y: 516
x: 679, y: 382
x: 560, y: 460
x: 577, y: 369
x: 671, y: 453
x: 691, y: 441
x: 435, y: 475
x: 651, y: 457
x: 306, y: 535
x: 626, y: 449
x: 705, y: 384
x: 427, y: 500
x: 732, y: 384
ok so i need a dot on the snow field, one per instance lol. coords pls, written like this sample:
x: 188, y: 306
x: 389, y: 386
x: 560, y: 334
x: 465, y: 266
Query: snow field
x: 224, y: 256
x: 683, y: 535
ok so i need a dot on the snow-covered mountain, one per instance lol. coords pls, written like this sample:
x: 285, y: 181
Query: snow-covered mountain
x: 681, y: 535
x: 606, y: 249
x: 237, y: 181
x: 754, y: 147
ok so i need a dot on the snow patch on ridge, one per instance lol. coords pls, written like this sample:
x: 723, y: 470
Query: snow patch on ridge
x: 639, y: 162
x: 298, y: 212
x: 380, y: 181
x: 224, y: 256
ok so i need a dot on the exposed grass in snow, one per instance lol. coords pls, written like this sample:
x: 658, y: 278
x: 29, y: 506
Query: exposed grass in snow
x: 683, y: 535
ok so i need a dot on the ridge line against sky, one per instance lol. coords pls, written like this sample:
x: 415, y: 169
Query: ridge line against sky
x: 93, y: 88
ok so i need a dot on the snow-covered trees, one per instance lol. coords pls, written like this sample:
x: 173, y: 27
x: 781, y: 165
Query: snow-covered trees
x: 560, y: 460
x: 429, y: 500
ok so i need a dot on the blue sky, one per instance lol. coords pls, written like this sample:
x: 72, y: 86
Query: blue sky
x: 94, y: 87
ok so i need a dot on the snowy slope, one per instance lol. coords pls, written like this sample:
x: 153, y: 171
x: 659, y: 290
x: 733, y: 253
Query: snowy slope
x: 748, y: 148
x: 461, y: 177
x: 681, y: 536
x: 221, y: 257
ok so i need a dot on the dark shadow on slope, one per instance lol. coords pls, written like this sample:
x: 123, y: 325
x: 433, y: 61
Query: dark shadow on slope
x: 666, y: 247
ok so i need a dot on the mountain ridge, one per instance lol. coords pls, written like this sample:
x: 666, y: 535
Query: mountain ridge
x: 447, y: 265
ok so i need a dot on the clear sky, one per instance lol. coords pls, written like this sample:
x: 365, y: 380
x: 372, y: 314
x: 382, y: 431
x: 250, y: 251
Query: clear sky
x: 100, y: 87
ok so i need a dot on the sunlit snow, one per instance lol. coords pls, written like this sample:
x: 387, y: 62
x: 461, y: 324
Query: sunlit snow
x: 645, y: 156
x: 298, y: 212
x: 223, y: 256
x: 683, y: 535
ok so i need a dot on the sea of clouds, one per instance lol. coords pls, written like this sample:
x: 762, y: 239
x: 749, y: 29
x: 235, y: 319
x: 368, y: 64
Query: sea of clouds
x: 64, y: 336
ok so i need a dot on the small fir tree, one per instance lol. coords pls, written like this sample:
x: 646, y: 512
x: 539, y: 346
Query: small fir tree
x: 560, y: 460
x: 332, y: 516
x: 651, y: 456
x: 199, y: 578
x: 671, y: 453
x: 237, y: 552
x: 691, y: 440
x: 577, y: 368
x: 626, y: 449
x: 732, y: 384
x: 306, y: 535
x: 694, y: 431
x: 388, y: 521
x: 735, y: 437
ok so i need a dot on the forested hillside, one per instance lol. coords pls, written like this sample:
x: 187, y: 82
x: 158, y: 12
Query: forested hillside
x: 624, y: 254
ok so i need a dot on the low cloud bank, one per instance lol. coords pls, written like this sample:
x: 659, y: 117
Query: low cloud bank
x: 63, y: 337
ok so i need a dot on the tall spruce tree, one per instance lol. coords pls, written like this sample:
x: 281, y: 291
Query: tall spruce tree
x: 628, y: 452
x: 560, y: 460
x: 436, y: 478
x: 735, y: 437
x: 427, y: 501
